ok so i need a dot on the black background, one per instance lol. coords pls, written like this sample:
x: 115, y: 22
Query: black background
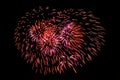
x: 103, y: 67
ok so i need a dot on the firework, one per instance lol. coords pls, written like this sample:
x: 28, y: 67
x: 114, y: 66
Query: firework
x: 55, y: 40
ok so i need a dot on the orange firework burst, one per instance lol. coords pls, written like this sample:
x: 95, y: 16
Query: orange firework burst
x: 53, y: 40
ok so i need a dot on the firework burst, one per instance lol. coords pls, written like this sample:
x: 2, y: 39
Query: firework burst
x: 54, y: 40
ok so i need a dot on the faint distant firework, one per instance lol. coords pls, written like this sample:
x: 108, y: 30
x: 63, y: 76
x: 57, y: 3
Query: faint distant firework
x: 55, y: 40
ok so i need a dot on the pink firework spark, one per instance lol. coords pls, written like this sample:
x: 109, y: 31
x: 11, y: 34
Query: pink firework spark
x: 54, y: 41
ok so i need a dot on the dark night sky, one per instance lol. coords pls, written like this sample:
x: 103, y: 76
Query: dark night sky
x: 103, y: 67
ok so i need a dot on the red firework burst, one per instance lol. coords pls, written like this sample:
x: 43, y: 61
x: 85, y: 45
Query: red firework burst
x: 53, y: 41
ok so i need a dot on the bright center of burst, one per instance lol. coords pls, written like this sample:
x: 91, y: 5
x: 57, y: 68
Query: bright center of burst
x: 49, y: 37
